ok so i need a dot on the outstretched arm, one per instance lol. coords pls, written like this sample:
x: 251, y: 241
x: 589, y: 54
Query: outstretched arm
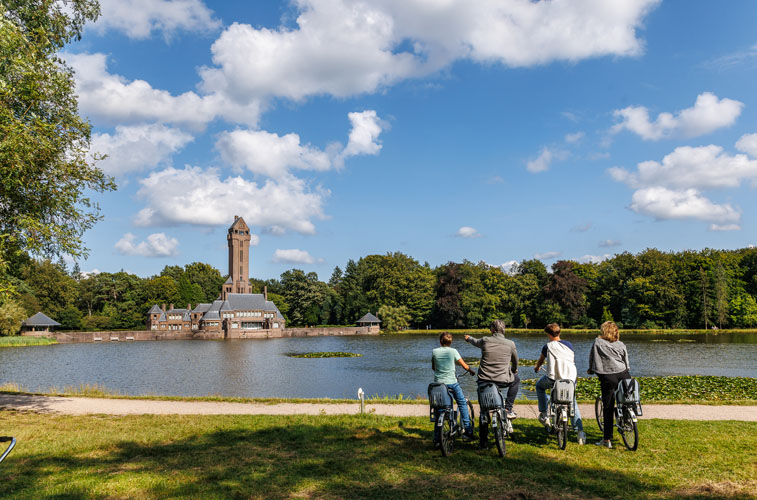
x: 478, y: 343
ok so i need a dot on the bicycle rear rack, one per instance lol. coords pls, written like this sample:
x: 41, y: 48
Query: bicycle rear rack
x: 5, y: 439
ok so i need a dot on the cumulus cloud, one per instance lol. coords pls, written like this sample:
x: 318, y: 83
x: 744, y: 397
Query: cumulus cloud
x: 593, y: 259
x: 573, y: 138
x: 609, y: 243
x: 542, y: 162
x: 201, y: 197
x: 156, y: 245
x: 662, y: 203
x: 350, y: 47
x: 724, y: 227
x: 139, y: 147
x: 293, y: 256
x: 691, y: 167
x: 748, y: 144
x: 138, y: 19
x: 272, y: 155
x: 708, y: 114
x: 115, y: 99
x: 467, y: 232
x: 547, y: 255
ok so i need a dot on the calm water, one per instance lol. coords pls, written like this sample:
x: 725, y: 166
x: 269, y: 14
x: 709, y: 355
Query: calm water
x: 390, y: 364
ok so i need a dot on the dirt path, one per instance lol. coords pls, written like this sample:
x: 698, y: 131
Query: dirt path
x: 86, y: 406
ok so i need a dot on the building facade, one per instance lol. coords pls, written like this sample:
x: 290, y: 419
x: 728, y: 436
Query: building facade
x: 236, y: 311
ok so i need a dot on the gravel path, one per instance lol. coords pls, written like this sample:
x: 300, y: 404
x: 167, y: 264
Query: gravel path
x: 87, y: 406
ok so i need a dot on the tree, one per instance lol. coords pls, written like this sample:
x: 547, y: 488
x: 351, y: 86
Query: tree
x: 45, y: 175
x: 567, y: 290
x: 448, y: 310
x: 11, y: 317
x: 305, y: 296
x: 394, y: 318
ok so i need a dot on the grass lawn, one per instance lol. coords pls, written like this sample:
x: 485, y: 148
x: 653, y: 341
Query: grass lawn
x: 363, y: 456
x: 23, y: 341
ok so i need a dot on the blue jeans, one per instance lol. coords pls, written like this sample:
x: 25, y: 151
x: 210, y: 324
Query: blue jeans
x: 545, y: 383
x: 462, y: 405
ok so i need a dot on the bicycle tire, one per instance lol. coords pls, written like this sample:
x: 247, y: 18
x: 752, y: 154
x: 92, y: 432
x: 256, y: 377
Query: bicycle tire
x: 499, y: 434
x: 561, y: 426
x: 447, y: 440
x: 599, y: 411
x: 472, y: 416
x: 629, y: 430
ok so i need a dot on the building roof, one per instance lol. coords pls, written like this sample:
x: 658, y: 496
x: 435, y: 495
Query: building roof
x: 369, y: 318
x: 249, y: 302
x: 40, y: 319
x: 201, y: 308
x: 155, y: 310
x: 229, y: 281
x: 162, y: 316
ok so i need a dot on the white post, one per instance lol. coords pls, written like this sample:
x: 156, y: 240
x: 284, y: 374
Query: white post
x: 361, y: 397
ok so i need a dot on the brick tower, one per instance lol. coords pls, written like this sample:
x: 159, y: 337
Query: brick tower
x: 239, y: 258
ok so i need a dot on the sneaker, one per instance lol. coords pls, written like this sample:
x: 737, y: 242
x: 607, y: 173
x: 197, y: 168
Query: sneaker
x: 468, y: 435
x: 581, y: 437
x: 543, y: 419
x: 602, y: 442
x: 511, y: 414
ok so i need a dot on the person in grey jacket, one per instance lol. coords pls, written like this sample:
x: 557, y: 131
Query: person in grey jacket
x: 499, y: 363
x: 609, y: 360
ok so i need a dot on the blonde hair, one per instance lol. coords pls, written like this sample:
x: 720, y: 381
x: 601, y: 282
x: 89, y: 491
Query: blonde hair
x: 609, y: 331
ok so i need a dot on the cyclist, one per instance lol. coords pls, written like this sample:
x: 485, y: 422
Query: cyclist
x: 561, y: 364
x: 443, y: 361
x: 609, y: 360
x: 499, y: 364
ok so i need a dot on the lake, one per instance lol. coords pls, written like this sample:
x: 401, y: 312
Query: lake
x: 390, y: 365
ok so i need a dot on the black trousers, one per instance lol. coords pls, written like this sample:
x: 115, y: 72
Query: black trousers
x: 512, y: 392
x: 608, y: 383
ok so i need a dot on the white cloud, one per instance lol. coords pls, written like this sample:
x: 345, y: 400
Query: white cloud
x: 691, y: 167
x: 350, y: 47
x: 269, y: 154
x: 662, y: 203
x: 594, y: 259
x: 725, y: 227
x: 201, y: 197
x: 609, y: 243
x: 544, y: 160
x: 582, y: 228
x: 114, y: 99
x: 156, y: 245
x: 467, y: 232
x: 293, y: 256
x: 708, y: 114
x: 510, y: 267
x: 748, y: 144
x: 138, y: 19
x: 134, y: 148
x: 547, y: 255
x: 573, y: 138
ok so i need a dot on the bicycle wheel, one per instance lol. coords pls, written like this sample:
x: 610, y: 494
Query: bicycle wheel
x: 629, y: 431
x: 472, y: 415
x: 599, y: 411
x: 499, y: 433
x: 561, y: 427
x: 447, y: 442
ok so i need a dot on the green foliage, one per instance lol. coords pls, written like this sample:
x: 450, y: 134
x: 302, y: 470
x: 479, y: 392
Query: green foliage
x: 11, y: 317
x: 22, y: 341
x: 394, y: 318
x: 337, y: 354
x: 693, y: 388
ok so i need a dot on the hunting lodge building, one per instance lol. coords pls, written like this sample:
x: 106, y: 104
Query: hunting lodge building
x: 236, y: 311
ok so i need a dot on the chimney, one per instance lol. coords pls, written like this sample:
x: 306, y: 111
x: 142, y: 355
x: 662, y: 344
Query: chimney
x: 236, y: 217
x: 189, y: 307
x: 171, y: 309
x: 265, y: 292
x: 163, y: 307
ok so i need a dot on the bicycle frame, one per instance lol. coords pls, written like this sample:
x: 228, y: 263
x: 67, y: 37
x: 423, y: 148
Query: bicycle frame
x: 5, y: 439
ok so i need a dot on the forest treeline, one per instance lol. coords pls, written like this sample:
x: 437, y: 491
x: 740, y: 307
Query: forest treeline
x: 652, y: 289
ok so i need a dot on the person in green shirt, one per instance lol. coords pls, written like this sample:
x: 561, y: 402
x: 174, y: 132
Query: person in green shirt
x: 443, y: 360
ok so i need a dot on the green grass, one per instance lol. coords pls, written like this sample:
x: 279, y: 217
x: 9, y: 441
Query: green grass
x: 362, y: 456
x: 337, y: 354
x: 23, y: 341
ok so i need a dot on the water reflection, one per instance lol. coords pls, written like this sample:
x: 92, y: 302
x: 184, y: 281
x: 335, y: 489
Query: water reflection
x: 398, y: 364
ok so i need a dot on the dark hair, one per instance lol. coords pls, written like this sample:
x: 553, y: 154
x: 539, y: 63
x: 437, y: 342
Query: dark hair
x: 497, y: 326
x: 552, y: 329
x: 445, y: 338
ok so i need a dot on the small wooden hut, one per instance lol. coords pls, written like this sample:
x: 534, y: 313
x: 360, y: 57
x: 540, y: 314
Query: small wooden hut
x: 39, y: 324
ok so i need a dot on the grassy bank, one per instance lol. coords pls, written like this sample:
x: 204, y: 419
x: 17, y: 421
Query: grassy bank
x: 219, y: 457
x: 573, y: 331
x: 22, y: 341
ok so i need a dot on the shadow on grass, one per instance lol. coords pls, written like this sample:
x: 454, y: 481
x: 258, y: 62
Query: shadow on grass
x: 363, y: 457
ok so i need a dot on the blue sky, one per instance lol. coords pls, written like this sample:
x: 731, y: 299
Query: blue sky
x: 493, y: 130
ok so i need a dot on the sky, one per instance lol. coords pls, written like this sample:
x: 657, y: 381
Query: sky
x: 495, y: 130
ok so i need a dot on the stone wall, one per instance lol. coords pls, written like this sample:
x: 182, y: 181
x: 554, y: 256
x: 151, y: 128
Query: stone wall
x: 73, y: 337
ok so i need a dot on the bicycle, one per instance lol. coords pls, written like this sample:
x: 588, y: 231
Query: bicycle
x: 447, y: 425
x: 627, y: 404
x: 5, y: 439
x: 492, y: 406
x: 560, y: 410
